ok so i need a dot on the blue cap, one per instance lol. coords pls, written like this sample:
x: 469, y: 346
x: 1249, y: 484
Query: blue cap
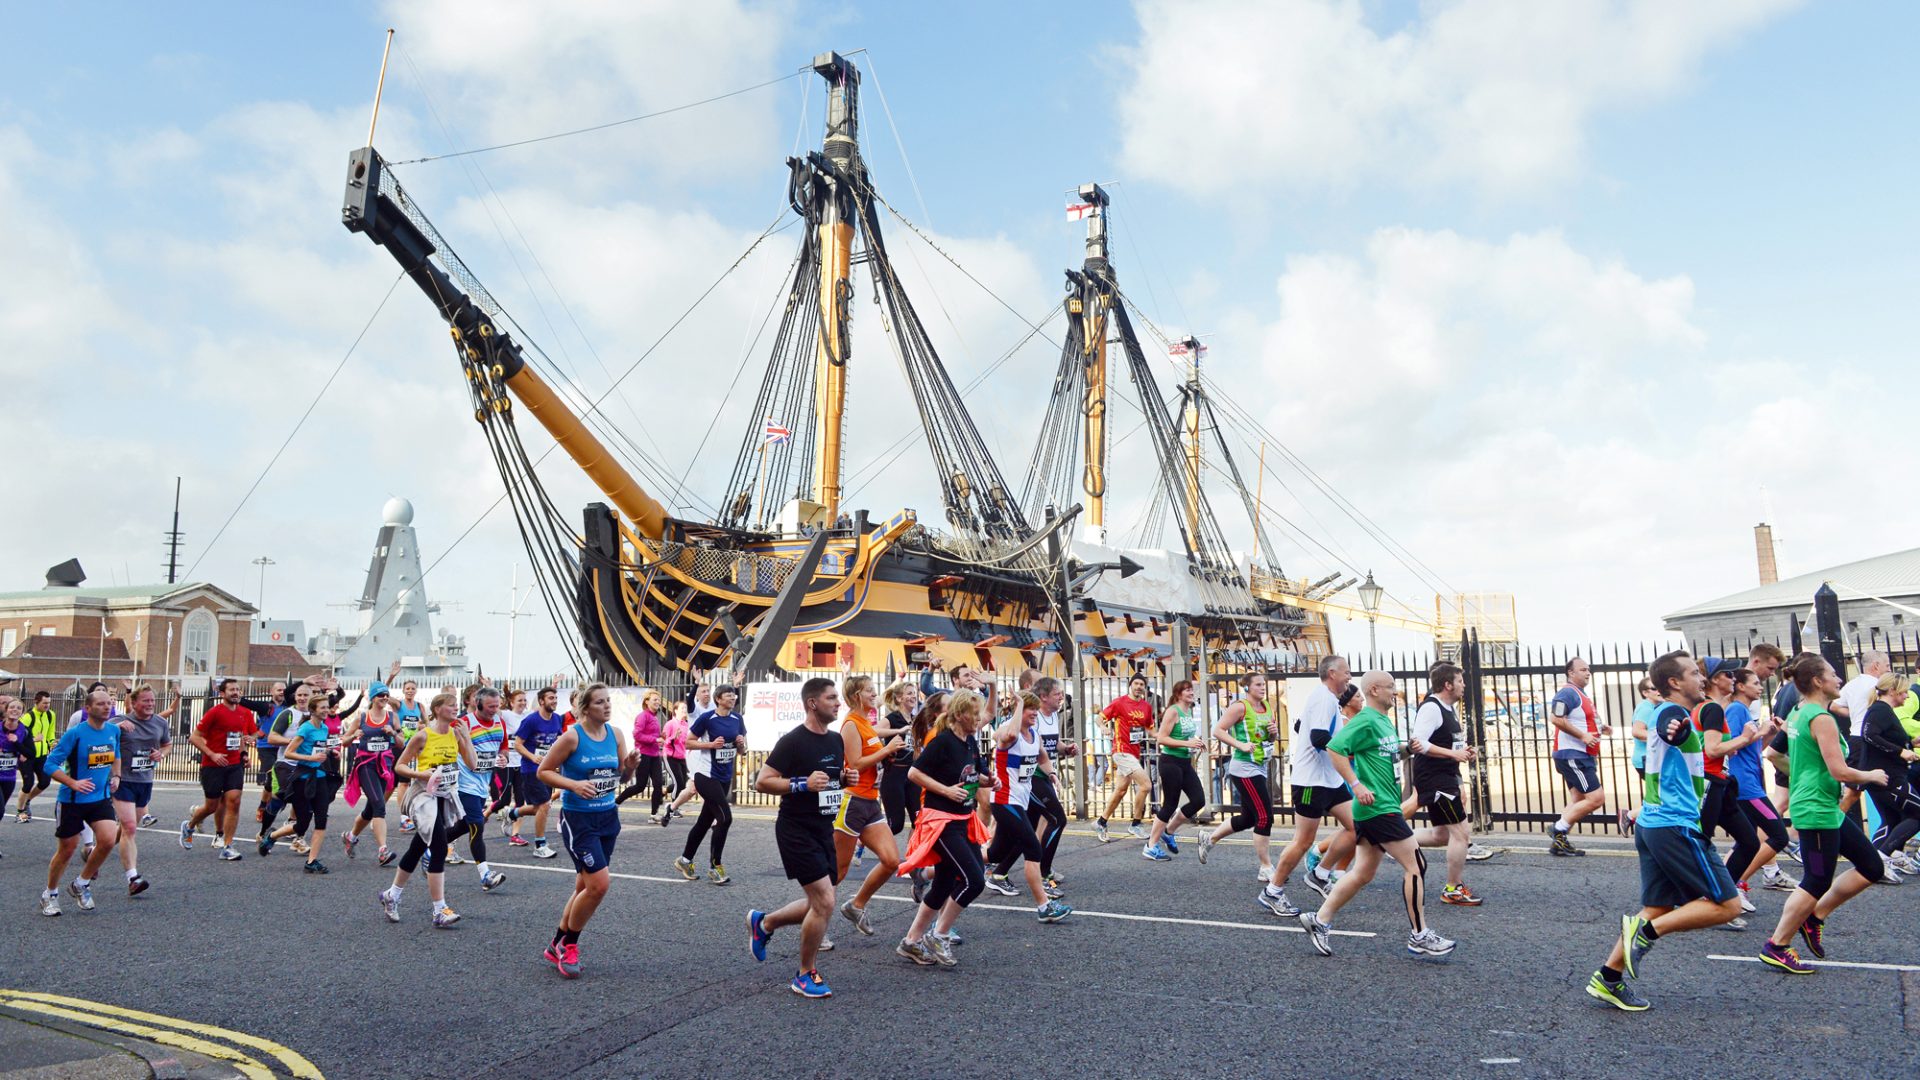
x: 377, y: 689
x: 1714, y: 665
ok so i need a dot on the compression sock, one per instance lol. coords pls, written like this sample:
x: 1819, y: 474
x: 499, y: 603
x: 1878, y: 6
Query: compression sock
x: 1612, y: 975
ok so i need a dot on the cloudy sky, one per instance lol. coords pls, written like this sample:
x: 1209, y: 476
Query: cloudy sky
x: 1560, y: 298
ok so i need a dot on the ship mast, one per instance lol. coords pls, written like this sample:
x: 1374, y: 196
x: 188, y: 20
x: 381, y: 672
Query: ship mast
x: 841, y: 148
x: 1094, y: 301
x: 1192, y: 347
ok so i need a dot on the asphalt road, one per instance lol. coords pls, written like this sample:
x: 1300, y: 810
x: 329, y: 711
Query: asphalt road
x: 1168, y: 969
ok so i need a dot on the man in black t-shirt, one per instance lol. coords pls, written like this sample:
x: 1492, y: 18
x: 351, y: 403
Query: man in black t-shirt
x: 806, y: 769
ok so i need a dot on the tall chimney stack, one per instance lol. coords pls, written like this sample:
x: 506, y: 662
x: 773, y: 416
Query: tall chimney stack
x: 1763, y: 548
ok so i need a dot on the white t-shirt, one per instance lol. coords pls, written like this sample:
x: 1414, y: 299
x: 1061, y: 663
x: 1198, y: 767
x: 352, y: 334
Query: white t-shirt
x: 512, y: 720
x: 1311, y: 766
x: 1854, y: 696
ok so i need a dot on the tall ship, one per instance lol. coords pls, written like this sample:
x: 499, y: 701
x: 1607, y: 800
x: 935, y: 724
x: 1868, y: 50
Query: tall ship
x: 787, y: 575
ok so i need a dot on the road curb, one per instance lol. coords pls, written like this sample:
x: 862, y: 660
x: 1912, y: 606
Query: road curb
x: 160, y: 1062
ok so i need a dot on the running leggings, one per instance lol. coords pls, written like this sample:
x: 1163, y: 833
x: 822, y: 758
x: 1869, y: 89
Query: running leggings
x: 715, y: 814
x: 312, y: 795
x: 476, y: 830
x: 433, y: 847
x: 1046, y: 800
x: 503, y: 789
x: 894, y: 796
x: 1721, y: 808
x: 1177, y: 778
x: 1013, y: 838
x: 1767, y: 820
x: 6, y: 791
x: 649, y: 774
x: 1822, y: 849
x: 960, y: 874
x: 373, y: 788
x: 1899, y: 809
x: 1256, y: 805
x: 678, y: 767
x: 33, y: 775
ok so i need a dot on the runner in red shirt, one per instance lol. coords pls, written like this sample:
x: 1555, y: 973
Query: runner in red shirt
x: 222, y: 736
x: 1124, y: 715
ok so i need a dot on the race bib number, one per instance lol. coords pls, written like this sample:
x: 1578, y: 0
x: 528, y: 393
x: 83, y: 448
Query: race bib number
x: 603, y: 781
x: 378, y: 746
x: 830, y: 801
x: 235, y: 740
x: 138, y: 763
x: 723, y: 755
x: 446, y: 777
x: 333, y: 742
x: 9, y: 761
x: 99, y: 757
x: 484, y: 759
x: 1026, y: 771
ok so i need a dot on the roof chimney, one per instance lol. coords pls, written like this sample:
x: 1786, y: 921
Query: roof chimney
x: 67, y: 575
x: 1763, y: 549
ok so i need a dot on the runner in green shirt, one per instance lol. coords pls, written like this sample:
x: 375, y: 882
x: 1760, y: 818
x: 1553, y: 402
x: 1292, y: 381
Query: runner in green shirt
x: 1363, y: 753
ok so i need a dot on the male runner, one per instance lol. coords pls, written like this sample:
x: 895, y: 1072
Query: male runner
x: 538, y: 731
x: 277, y: 787
x: 488, y: 734
x: 1125, y: 715
x: 1363, y: 752
x: 85, y: 762
x: 221, y: 737
x: 1044, y: 799
x: 145, y: 738
x: 265, y: 751
x: 1318, y: 789
x: 1682, y: 885
x: 1436, y: 777
x: 806, y: 770
x: 1247, y: 727
x: 1577, y: 731
x: 42, y: 729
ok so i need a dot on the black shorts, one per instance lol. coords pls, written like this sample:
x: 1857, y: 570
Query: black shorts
x: 137, y: 792
x: 1316, y: 802
x: 217, y: 780
x: 806, y: 849
x: 268, y: 755
x: 532, y: 792
x: 74, y: 817
x: 1383, y: 830
x: 1581, y: 772
x: 1678, y: 866
x: 33, y: 772
x: 1444, y: 805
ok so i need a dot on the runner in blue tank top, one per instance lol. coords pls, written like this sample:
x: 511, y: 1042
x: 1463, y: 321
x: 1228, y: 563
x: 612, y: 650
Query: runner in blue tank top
x: 586, y: 765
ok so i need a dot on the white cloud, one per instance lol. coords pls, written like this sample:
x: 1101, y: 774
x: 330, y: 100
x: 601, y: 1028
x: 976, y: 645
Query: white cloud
x: 1487, y: 93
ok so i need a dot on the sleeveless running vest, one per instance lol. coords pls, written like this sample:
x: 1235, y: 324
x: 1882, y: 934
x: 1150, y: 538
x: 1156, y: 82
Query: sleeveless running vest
x: 597, y: 761
x: 1254, y: 726
x: 440, y: 755
x: 1183, y: 728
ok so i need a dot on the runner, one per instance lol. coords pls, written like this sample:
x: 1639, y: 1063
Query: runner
x: 1720, y: 806
x: 1045, y: 801
x: 313, y: 747
x: 265, y: 751
x: 1363, y: 754
x: 538, y: 730
x: 1649, y: 703
x: 221, y: 737
x: 901, y: 699
x: 1682, y: 886
x: 723, y: 735
x: 673, y: 740
x: 1889, y: 749
x: 806, y: 769
x: 503, y: 786
x: 947, y: 834
x: 370, y: 742
x: 586, y: 765
x: 1247, y: 727
x: 1750, y: 790
x: 1819, y: 767
x: 1436, y: 777
x: 431, y: 763
x: 646, y: 743
x: 280, y: 779
x: 487, y: 734
x: 1317, y: 789
x: 145, y: 738
x: 15, y: 742
x: 85, y: 762
x: 1179, y: 737
x: 1577, y: 732
x: 862, y: 819
x: 410, y: 715
x: 1124, y: 715
x: 42, y: 728
x: 1018, y: 755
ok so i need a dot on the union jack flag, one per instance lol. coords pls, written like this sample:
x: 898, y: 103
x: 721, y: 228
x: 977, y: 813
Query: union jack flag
x: 775, y: 433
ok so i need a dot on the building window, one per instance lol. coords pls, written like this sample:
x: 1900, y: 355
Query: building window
x: 8, y: 639
x: 199, y: 635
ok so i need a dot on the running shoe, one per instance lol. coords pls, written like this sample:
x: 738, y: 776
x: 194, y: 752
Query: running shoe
x: 952, y: 937
x: 1792, y: 852
x: 910, y: 950
x: 1734, y: 924
x: 1624, y: 817
x: 264, y: 846
x: 455, y: 860
x: 49, y: 903
x: 1206, y: 845
x: 1277, y: 903
x: 349, y: 841
x: 1784, y: 958
x: 757, y: 937
x: 390, y: 904
x: 1621, y: 995
x: 1137, y: 831
x: 1428, y: 943
x: 685, y: 866
x: 513, y: 814
x: 542, y: 851
x: 919, y: 886
x: 22, y: 818
x: 227, y: 854
x: 1100, y: 830
x: 1476, y: 853
x: 300, y: 847
x: 1636, y: 942
x: 1323, y: 886
x: 859, y: 856
x: 717, y: 874
x: 1900, y: 861
x: 1054, y: 911
x: 826, y: 944
x: 387, y: 856
x: 136, y: 885
x: 551, y: 954
x: 1263, y: 874
x: 809, y: 984
x: 1460, y: 896
x: 406, y: 823
x: 1156, y: 853
x: 1053, y: 882
x: 516, y: 841
x: 1563, y: 845
x: 568, y: 961
x: 148, y: 821
x: 317, y: 867
x: 940, y: 949
x: 493, y: 880
x: 1054, y: 892
x: 1317, y: 932
x: 858, y: 917
x: 999, y: 883
x: 444, y: 918
x: 86, y: 853
x: 1170, y: 842
x: 1776, y: 879
x: 1812, y: 932
x: 82, y: 893
x: 186, y: 834
x: 1313, y: 860
x: 1888, y: 875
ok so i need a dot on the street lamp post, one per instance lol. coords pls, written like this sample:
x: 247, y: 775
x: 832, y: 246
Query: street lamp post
x: 1370, y: 594
x: 260, y: 598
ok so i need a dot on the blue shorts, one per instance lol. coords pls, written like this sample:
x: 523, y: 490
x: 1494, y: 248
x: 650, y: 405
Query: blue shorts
x: 533, y: 793
x: 588, y: 836
x: 137, y: 792
x: 1678, y: 866
x: 475, y: 808
x: 1581, y: 771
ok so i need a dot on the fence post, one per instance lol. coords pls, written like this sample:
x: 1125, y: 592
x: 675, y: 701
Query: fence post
x: 1826, y: 620
x: 1477, y: 728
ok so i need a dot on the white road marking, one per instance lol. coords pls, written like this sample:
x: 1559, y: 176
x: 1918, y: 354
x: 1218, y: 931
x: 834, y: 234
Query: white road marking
x: 1824, y: 963
x: 1271, y: 927
x: 1499, y: 1061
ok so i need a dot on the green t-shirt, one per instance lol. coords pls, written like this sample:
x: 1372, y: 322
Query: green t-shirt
x: 1815, y: 793
x: 1373, y: 745
x: 1183, y: 728
x: 1909, y: 713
